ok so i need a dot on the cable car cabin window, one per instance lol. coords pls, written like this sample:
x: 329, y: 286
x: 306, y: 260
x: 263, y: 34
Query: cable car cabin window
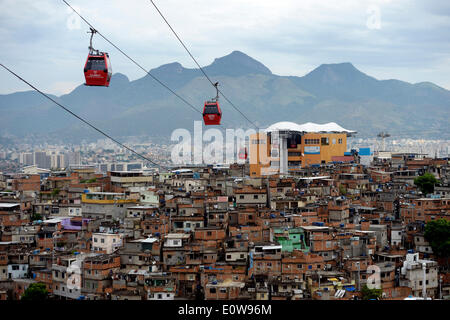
x: 109, y: 64
x: 211, y: 109
x: 96, y: 63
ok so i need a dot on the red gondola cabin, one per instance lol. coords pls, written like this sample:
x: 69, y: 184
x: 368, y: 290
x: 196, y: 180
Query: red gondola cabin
x: 212, y: 113
x: 97, y: 70
x: 243, y: 154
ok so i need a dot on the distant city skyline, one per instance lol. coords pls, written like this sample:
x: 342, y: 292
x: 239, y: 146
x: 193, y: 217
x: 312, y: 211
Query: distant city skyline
x: 405, y: 40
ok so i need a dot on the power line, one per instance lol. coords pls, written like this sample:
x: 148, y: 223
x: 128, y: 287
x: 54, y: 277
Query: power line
x: 201, y: 69
x: 83, y: 120
x: 132, y: 60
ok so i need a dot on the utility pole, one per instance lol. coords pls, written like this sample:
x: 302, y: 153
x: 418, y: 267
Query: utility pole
x: 318, y: 273
x: 383, y: 135
x: 424, y: 287
x: 359, y: 286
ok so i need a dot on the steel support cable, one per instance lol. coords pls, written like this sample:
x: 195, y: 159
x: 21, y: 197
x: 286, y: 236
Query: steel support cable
x: 83, y: 120
x: 132, y: 60
x: 198, y: 65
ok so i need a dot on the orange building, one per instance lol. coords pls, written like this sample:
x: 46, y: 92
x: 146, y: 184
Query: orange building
x: 286, y: 146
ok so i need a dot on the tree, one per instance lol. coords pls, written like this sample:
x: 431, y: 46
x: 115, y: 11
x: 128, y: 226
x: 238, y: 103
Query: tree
x: 368, y: 294
x: 36, y: 216
x: 35, y: 292
x: 342, y: 190
x: 426, y: 183
x: 437, y: 233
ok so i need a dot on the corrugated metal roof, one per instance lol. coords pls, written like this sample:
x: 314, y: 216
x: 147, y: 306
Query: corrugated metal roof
x: 8, y: 205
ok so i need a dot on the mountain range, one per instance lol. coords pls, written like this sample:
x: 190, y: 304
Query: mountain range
x: 330, y: 93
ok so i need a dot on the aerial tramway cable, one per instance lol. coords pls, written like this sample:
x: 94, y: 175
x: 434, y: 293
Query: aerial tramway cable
x: 201, y: 69
x: 83, y: 120
x: 132, y: 60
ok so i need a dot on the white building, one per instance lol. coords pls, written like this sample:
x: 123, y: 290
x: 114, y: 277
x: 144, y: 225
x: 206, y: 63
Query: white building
x: 67, y: 276
x: 106, y: 242
x: 419, y: 275
x: 17, y: 271
x: 396, y: 235
x: 75, y: 211
x: 175, y: 240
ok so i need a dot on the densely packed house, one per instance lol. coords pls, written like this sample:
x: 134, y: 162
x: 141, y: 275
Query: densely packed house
x: 204, y: 232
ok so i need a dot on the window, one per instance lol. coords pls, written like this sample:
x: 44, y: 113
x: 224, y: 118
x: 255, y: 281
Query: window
x: 324, y: 141
x: 255, y: 196
x: 96, y: 63
x: 95, y: 240
x: 102, y: 240
x: 212, y: 290
x: 312, y: 141
x: 209, y: 233
x: 340, y: 141
x: 241, y: 196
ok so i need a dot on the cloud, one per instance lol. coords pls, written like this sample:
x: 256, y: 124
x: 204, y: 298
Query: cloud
x: 45, y: 42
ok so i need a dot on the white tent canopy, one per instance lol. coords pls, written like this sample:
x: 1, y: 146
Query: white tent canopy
x: 307, y: 127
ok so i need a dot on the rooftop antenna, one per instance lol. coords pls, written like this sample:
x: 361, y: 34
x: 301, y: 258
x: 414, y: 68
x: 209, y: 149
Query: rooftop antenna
x: 383, y: 135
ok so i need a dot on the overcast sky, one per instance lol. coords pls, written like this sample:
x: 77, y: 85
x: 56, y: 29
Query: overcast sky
x: 389, y: 39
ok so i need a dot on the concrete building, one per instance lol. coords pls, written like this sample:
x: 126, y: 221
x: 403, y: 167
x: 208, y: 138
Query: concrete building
x: 106, y: 242
x: 287, y: 146
x: 105, y: 205
x: 128, y: 179
x: 42, y: 160
x: 419, y: 275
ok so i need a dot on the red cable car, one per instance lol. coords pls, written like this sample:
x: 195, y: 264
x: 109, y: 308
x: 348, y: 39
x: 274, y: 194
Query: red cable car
x: 97, y: 69
x: 211, y: 111
x: 243, y: 154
